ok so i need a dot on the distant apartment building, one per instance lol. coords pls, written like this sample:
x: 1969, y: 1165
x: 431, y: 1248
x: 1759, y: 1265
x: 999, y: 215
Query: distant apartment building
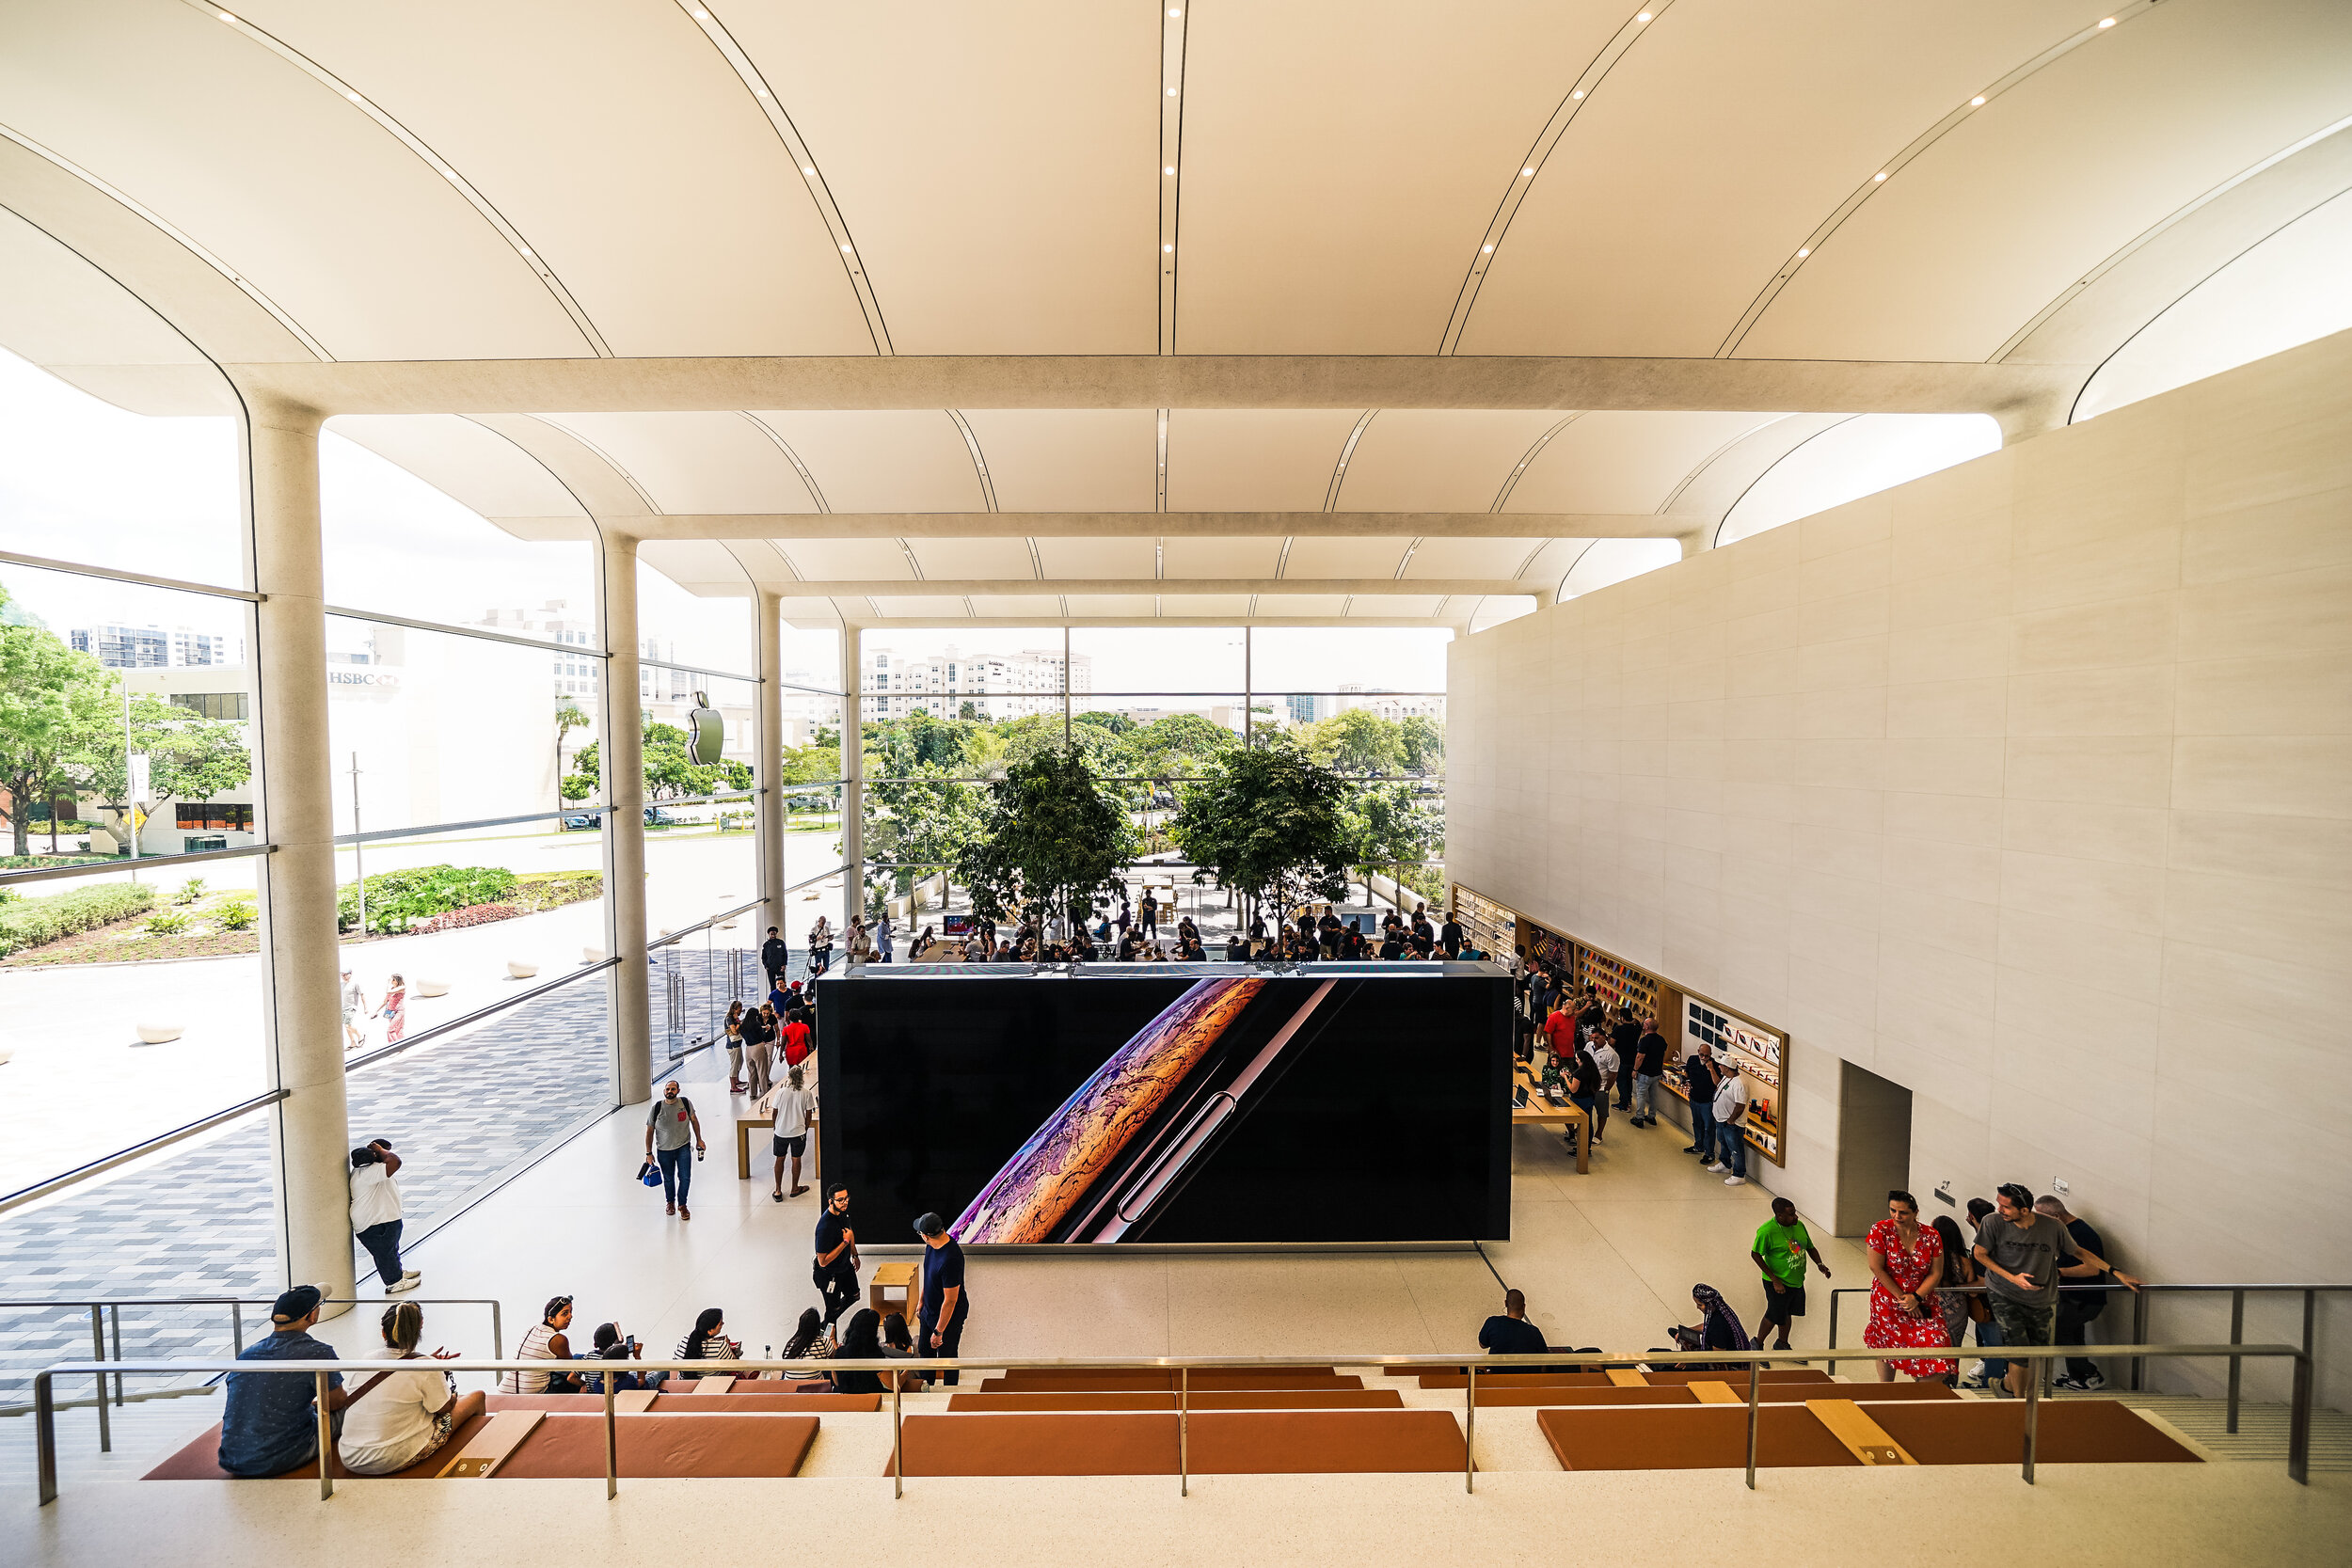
x: 155, y: 647
x: 1392, y: 705
x: 579, y: 675
x: 1306, y: 708
x: 995, y: 686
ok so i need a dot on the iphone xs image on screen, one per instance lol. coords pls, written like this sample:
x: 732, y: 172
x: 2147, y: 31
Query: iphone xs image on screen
x: 1217, y: 1104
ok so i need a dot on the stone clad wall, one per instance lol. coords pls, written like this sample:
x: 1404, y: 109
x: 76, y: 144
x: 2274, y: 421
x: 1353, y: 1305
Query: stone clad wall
x: 2027, y: 785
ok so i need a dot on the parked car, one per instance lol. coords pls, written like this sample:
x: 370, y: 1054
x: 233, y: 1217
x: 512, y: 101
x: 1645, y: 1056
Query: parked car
x: 655, y: 818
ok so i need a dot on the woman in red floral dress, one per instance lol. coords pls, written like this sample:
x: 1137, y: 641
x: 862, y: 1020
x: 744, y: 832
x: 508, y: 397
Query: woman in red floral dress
x: 1906, y: 1265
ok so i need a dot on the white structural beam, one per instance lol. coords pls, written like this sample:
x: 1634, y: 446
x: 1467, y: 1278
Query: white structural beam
x: 2024, y: 393
x: 1126, y: 525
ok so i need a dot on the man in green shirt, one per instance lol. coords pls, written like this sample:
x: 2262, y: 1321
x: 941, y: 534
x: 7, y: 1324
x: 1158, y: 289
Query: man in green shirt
x: 1782, y: 1246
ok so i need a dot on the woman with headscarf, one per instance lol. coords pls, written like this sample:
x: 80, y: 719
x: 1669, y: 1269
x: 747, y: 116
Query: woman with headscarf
x: 1718, y: 1326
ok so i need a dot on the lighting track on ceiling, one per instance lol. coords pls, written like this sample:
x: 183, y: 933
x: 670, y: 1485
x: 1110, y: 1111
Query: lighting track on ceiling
x: 808, y: 480
x: 653, y: 508
x: 2153, y: 230
x: 1527, y: 460
x: 1919, y: 144
x: 1171, y: 159
x: 434, y: 160
x: 1523, y: 177
x: 700, y: 13
x: 185, y: 241
x: 988, y: 488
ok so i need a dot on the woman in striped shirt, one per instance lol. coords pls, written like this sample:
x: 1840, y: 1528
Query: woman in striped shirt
x: 708, y: 1341
x: 544, y: 1343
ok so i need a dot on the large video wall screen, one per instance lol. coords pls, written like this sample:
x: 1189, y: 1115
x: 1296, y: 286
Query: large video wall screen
x: 1212, y: 1105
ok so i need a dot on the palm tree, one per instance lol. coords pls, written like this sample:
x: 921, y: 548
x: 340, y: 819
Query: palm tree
x: 568, y: 716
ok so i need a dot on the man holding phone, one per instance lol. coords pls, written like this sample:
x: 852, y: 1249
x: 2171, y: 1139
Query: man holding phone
x: 668, y: 1127
x: 835, y: 1270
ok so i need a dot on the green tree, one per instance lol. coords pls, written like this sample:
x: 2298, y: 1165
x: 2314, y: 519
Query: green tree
x: 1387, y: 825
x: 1424, y: 743
x: 569, y: 716
x: 189, y: 758
x: 1270, y: 823
x: 1179, y: 744
x: 585, y: 779
x: 1050, y: 835
x: 1118, y: 724
x: 1357, y: 741
x: 51, y: 697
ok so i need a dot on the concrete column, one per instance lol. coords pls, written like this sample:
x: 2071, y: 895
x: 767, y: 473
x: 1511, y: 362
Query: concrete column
x: 302, y: 1018
x: 622, y: 754
x: 853, y: 783
x: 766, y: 760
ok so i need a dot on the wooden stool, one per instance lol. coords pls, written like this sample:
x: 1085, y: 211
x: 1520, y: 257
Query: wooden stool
x: 905, y: 1278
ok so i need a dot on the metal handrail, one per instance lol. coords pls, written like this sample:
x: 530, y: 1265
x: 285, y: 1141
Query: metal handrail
x: 134, y: 862
x: 112, y: 1307
x: 1752, y: 1361
x: 2140, y: 1293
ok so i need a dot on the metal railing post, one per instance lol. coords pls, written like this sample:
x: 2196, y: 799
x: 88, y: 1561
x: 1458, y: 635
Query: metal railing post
x: 2300, y: 1422
x: 2139, y: 1336
x: 1469, y: 1436
x: 1184, y: 1432
x: 114, y: 1318
x: 897, y: 1449
x: 498, y: 1338
x: 2033, y: 1412
x: 1833, y: 1331
x: 1755, y: 1406
x: 97, y: 1353
x: 236, y: 1327
x: 611, y: 1440
x: 2237, y: 1364
x: 326, y: 1437
x: 45, y: 1434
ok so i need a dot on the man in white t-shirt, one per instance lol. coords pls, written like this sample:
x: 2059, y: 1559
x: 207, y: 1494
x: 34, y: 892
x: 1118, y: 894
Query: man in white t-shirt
x: 355, y: 1013
x: 795, y: 1110
x: 1605, y: 1057
x: 375, y: 1213
x: 1731, y: 1131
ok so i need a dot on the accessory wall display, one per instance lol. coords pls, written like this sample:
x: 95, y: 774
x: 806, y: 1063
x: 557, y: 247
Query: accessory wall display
x: 1492, y: 928
x: 1759, y: 1054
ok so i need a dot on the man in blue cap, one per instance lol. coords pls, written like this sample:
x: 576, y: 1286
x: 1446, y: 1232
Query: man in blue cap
x: 270, y: 1424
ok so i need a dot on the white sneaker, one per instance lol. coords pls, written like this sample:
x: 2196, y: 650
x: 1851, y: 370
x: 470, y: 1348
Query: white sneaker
x: 1718, y: 1169
x: 1735, y: 1180
x: 410, y: 1273
x: 406, y: 1282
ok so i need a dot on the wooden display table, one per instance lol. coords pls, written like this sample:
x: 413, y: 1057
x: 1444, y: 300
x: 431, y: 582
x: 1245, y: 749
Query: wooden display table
x: 1540, y: 1110
x: 906, y: 1280
x: 761, y: 1119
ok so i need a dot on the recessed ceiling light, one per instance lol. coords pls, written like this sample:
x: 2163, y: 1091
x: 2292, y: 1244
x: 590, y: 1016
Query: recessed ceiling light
x: 1490, y: 250
x: 1171, y: 92
x: 353, y: 96
x: 526, y: 250
x: 1527, y: 174
x: 1879, y: 175
x: 1803, y: 252
x: 227, y: 17
x: 1173, y: 12
x: 809, y: 169
x: 1170, y: 169
x: 1578, y: 93
x: 2108, y: 23
x: 1167, y: 248
x: 1978, y: 101
x: 1643, y: 17
x: 759, y: 92
x: 701, y: 15
x: 845, y: 245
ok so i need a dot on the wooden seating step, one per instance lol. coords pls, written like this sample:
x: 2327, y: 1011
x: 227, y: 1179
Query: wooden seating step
x: 1298, y: 1442
x: 682, y: 1404
x: 1821, y: 1433
x: 568, y: 1446
x: 1208, y: 1398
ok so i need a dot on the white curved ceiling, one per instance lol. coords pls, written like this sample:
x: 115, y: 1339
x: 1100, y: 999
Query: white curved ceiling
x: 717, y: 182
